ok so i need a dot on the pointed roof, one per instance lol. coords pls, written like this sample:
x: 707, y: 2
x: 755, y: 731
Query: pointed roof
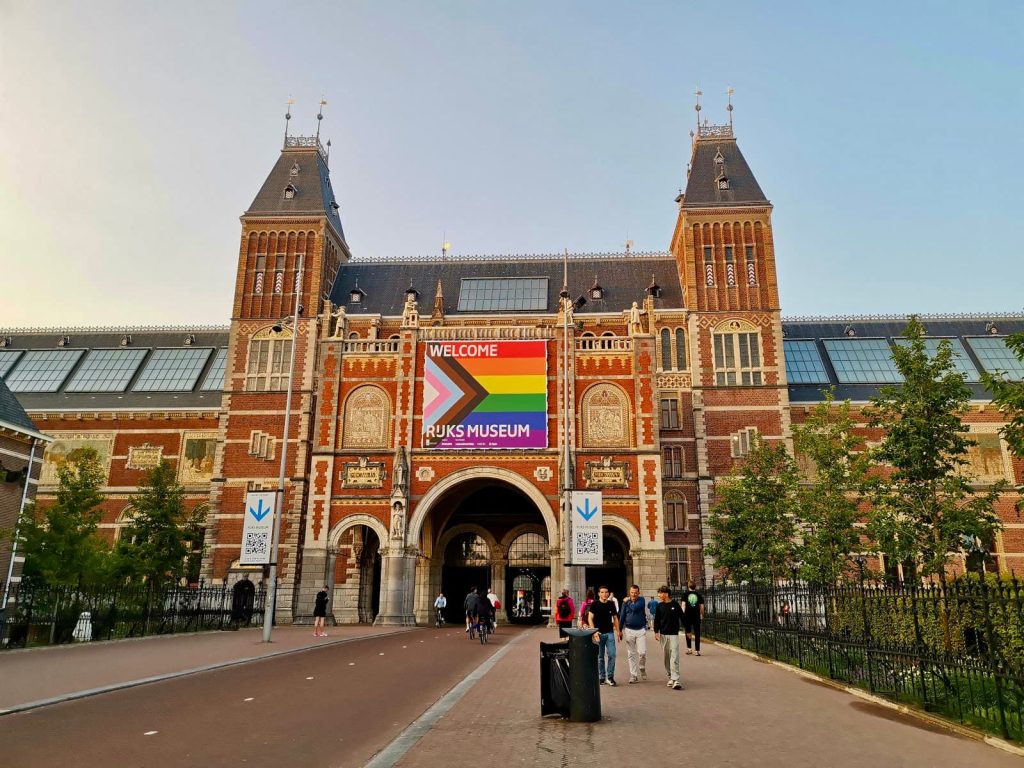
x: 13, y: 416
x: 716, y: 157
x: 298, y: 184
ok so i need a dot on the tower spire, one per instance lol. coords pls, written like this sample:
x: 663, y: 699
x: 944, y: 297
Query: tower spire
x: 729, y: 92
x: 287, y: 118
x: 319, y: 118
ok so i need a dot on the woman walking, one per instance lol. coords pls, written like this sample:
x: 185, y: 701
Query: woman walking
x: 320, y: 613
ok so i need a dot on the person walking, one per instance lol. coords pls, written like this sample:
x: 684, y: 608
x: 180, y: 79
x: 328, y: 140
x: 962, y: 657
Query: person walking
x: 586, y: 607
x: 439, y: 605
x: 320, y: 612
x: 693, y: 615
x: 565, y: 609
x: 601, y: 617
x: 633, y: 625
x: 667, y: 621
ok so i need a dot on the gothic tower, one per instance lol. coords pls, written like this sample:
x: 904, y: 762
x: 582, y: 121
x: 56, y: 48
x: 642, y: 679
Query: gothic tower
x: 724, y: 249
x: 292, y: 224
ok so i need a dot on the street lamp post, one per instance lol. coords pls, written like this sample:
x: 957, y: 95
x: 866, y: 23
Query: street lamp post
x: 270, y: 609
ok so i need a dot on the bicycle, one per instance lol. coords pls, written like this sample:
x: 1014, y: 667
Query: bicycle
x: 483, y: 629
x: 439, y: 618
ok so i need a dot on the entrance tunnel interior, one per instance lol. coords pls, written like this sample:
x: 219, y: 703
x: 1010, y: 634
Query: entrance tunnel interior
x: 487, y: 533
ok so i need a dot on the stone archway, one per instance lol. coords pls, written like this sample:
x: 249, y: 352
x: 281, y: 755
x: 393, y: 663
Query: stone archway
x: 356, y: 597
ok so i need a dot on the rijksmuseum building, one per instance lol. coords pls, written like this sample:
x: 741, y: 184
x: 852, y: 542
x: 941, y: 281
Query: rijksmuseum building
x: 441, y: 405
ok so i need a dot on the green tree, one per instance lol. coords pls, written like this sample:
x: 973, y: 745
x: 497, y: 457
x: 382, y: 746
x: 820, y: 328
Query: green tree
x: 1009, y: 396
x: 60, y: 542
x: 924, y: 506
x: 753, y: 522
x: 828, y: 500
x: 161, y: 535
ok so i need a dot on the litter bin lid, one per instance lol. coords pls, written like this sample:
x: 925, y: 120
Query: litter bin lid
x: 580, y: 632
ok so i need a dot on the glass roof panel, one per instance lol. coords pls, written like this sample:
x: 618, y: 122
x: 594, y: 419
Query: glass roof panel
x: 803, y: 363
x: 172, y: 370
x: 503, y: 294
x: 996, y: 356
x: 215, y: 378
x: 8, y: 357
x: 106, y: 370
x: 42, y: 370
x: 961, y: 362
x: 862, y: 361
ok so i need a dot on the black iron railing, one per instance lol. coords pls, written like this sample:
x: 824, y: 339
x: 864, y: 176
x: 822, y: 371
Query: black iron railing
x: 955, y: 649
x: 47, y: 615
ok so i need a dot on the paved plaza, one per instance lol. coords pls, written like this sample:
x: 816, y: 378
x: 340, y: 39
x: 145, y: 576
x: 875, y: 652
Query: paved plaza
x: 356, y: 696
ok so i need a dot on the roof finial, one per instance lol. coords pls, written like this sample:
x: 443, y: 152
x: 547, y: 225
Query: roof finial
x: 320, y: 116
x: 287, y: 117
x: 698, y: 93
x: 729, y: 92
x: 445, y: 247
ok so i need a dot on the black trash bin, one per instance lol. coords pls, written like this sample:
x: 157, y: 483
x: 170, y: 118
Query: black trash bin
x: 584, y: 687
x: 554, y: 679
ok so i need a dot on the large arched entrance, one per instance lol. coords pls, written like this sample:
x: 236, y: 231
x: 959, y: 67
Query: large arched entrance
x: 485, y: 528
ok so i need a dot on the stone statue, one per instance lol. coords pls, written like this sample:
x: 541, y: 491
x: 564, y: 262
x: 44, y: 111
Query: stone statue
x: 397, y: 521
x: 635, y: 323
x: 338, y: 316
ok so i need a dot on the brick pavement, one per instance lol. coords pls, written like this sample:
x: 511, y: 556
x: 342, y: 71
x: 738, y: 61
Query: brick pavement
x: 55, y: 671
x: 735, y: 711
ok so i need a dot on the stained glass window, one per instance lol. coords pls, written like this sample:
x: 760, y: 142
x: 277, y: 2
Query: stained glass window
x: 172, y: 370
x: 42, y: 370
x: 803, y: 363
x: 106, y: 370
x: 862, y: 361
x: 503, y: 294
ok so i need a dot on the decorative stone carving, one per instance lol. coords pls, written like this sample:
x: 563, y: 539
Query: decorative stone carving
x: 367, y: 414
x: 607, y: 473
x: 605, y: 417
x: 397, y: 521
x: 425, y: 474
x: 542, y: 474
x: 144, y: 456
x: 363, y: 474
x: 400, y: 473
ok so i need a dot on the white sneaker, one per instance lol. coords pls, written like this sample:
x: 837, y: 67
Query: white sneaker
x: 677, y: 685
x: 669, y: 683
x: 643, y: 674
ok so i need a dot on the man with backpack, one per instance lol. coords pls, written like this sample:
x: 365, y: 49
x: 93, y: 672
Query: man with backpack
x: 633, y: 626
x: 565, y: 609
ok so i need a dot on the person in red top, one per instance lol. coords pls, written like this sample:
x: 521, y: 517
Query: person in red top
x: 565, y: 610
x: 591, y: 597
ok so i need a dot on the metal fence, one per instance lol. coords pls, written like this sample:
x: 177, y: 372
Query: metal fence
x: 46, y: 615
x: 955, y: 649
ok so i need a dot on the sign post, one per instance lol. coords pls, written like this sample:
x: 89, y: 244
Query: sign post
x: 587, y: 520
x: 257, y: 528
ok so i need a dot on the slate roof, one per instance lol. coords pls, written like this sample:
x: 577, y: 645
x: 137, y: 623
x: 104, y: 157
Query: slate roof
x: 12, y: 414
x: 624, y: 279
x: 313, y: 195
x: 702, y: 184
x: 873, y: 327
x: 141, y: 338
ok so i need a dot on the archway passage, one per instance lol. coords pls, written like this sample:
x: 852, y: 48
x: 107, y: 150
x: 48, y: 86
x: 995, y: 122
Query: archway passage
x: 470, y: 532
x: 357, y: 575
x: 614, y: 572
x: 369, y: 577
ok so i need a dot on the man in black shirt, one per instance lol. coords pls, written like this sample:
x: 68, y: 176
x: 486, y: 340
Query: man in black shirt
x: 472, y: 606
x: 668, y: 619
x: 603, y: 617
x: 693, y: 605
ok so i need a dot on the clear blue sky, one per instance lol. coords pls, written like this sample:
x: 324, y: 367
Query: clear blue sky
x: 887, y: 135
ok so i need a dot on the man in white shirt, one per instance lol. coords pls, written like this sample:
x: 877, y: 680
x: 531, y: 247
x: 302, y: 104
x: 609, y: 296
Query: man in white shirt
x: 494, y: 604
x: 439, y: 605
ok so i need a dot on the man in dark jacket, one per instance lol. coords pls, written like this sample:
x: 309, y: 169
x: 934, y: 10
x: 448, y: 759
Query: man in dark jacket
x: 472, y: 606
x: 633, y: 627
x: 668, y: 620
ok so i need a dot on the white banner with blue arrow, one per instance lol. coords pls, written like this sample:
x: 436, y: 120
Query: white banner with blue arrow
x: 258, y: 528
x: 587, y: 519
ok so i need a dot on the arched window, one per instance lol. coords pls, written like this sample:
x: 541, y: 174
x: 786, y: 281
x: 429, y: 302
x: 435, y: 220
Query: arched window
x: 530, y: 549
x: 366, y: 420
x: 467, y: 549
x: 269, y: 356
x: 675, y: 512
x: 737, y: 345
x: 680, y: 349
x: 605, y: 417
x: 666, y: 349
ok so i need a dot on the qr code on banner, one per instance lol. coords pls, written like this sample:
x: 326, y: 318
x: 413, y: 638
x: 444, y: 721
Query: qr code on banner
x: 255, y: 543
x: 586, y: 543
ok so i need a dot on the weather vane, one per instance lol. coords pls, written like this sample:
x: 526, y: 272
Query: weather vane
x: 319, y: 117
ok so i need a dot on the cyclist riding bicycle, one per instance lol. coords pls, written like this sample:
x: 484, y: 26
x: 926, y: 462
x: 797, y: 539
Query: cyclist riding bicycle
x: 471, y: 605
x: 439, y: 605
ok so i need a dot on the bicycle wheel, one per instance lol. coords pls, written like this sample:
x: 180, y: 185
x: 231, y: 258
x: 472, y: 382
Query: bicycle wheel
x: 483, y: 634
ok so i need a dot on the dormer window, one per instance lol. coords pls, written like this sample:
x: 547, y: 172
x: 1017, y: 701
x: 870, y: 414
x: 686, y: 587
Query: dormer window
x: 723, y: 182
x: 289, y: 192
x: 411, y: 294
x: 356, y: 295
x: 654, y: 290
x: 596, y: 291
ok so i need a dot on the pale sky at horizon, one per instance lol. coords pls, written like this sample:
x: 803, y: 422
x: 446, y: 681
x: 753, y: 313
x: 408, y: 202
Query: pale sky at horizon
x: 886, y: 135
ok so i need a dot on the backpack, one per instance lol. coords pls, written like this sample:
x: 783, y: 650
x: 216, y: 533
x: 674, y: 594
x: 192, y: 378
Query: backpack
x: 564, y: 612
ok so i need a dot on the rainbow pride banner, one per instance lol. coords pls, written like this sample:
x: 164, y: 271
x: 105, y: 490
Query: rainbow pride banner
x: 485, y: 394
